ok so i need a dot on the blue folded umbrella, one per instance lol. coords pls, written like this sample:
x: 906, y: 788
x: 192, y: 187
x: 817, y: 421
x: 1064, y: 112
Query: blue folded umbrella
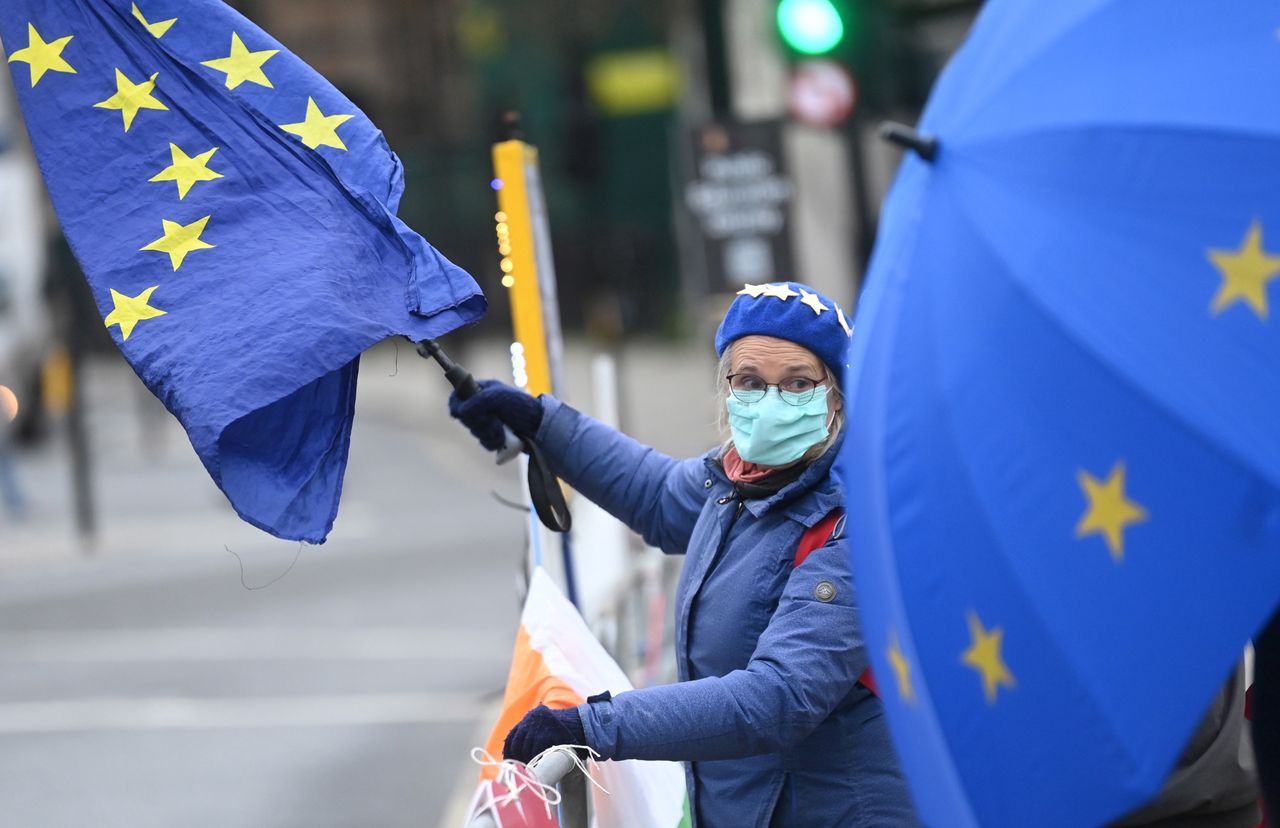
x: 1063, y: 466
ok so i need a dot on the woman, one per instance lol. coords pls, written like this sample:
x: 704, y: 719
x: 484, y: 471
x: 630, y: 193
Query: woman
x: 768, y: 716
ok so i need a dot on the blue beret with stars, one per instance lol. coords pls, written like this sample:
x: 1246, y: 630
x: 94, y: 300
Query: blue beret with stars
x: 790, y: 311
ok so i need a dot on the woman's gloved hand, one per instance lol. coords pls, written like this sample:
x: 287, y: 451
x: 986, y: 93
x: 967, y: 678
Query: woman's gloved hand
x: 543, y: 728
x: 496, y: 405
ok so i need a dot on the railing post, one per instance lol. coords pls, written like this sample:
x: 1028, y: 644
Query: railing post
x: 574, y: 810
x: 557, y: 767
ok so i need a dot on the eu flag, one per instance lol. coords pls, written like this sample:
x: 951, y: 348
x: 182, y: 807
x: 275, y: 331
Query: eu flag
x: 236, y: 218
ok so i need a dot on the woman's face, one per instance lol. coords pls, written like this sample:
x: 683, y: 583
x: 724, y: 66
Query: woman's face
x: 774, y: 360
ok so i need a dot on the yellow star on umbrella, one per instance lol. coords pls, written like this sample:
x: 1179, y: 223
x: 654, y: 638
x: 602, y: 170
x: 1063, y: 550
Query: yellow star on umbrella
x: 779, y: 292
x: 984, y: 656
x: 187, y: 171
x: 131, y: 98
x: 42, y: 57
x: 130, y: 310
x: 157, y: 30
x: 1108, y: 512
x: 754, y: 291
x: 318, y: 130
x: 242, y: 65
x: 812, y: 300
x: 901, y: 669
x: 1245, y: 273
x: 179, y: 240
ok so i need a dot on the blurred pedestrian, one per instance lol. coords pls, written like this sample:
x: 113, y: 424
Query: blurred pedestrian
x: 10, y: 491
x: 769, y: 715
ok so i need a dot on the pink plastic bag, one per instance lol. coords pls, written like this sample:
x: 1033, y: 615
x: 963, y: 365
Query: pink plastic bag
x: 515, y: 800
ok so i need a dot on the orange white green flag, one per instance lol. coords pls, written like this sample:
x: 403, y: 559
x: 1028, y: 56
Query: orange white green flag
x: 559, y: 663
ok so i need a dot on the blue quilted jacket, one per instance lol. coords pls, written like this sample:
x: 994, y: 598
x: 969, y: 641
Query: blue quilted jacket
x: 768, y: 717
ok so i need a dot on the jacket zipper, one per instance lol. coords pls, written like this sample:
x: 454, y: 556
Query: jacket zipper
x: 724, y: 542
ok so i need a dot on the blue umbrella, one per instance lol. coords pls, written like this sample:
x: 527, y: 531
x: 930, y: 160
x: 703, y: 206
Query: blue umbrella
x: 1063, y: 465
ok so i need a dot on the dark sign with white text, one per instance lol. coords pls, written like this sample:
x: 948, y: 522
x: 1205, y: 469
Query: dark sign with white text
x: 739, y: 195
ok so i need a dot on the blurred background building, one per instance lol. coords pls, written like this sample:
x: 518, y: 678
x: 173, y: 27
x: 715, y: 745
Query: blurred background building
x: 612, y: 93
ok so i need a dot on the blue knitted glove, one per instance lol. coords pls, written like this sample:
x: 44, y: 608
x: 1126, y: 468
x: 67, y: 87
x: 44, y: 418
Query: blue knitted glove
x: 497, y: 404
x: 543, y: 728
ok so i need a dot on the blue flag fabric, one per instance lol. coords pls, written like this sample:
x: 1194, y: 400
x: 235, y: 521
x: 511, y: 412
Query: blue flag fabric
x: 236, y: 218
x: 1063, y: 465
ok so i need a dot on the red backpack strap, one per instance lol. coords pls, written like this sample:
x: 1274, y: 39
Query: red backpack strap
x: 815, y: 536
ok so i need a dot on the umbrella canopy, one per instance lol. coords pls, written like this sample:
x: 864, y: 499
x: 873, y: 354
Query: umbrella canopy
x: 1063, y: 465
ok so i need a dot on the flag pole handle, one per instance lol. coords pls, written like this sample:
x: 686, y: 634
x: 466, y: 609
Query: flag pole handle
x: 544, y: 489
x: 465, y: 384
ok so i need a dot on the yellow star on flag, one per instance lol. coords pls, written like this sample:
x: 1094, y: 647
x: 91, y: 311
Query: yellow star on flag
x: 779, y: 292
x: 242, y: 65
x: 901, y: 669
x: 131, y: 98
x: 318, y: 130
x: 812, y: 300
x: 42, y: 57
x: 187, y: 171
x: 179, y: 240
x: 754, y: 291
x: 130, y: 310
x: 1108, y: 512
x: 984, y: 656
x: 1245, y: 273
x: 157, y: 30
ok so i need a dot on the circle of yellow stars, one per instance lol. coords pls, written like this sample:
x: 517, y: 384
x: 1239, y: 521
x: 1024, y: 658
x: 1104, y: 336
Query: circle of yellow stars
x: 131, y: 98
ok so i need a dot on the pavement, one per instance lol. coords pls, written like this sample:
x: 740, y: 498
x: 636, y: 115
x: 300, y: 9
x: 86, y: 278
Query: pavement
x: 146, y: 679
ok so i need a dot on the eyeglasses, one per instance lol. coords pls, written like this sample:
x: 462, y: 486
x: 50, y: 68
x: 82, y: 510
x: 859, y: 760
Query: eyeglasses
x: 749, y: 388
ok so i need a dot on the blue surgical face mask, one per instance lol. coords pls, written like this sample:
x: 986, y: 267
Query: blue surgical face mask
x: 772, y: 432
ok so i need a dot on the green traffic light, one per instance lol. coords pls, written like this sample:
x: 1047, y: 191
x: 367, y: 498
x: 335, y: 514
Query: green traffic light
x: 812, y: 27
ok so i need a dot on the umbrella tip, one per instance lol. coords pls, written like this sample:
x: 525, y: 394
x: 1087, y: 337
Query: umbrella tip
x: 926, y: 146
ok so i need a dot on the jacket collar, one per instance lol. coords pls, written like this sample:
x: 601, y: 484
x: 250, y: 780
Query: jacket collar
x: 807, y: 499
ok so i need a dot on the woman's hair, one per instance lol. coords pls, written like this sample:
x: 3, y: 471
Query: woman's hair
x: 722, y: 415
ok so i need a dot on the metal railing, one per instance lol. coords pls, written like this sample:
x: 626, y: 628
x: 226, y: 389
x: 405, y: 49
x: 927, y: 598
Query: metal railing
x: 561, y: 768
